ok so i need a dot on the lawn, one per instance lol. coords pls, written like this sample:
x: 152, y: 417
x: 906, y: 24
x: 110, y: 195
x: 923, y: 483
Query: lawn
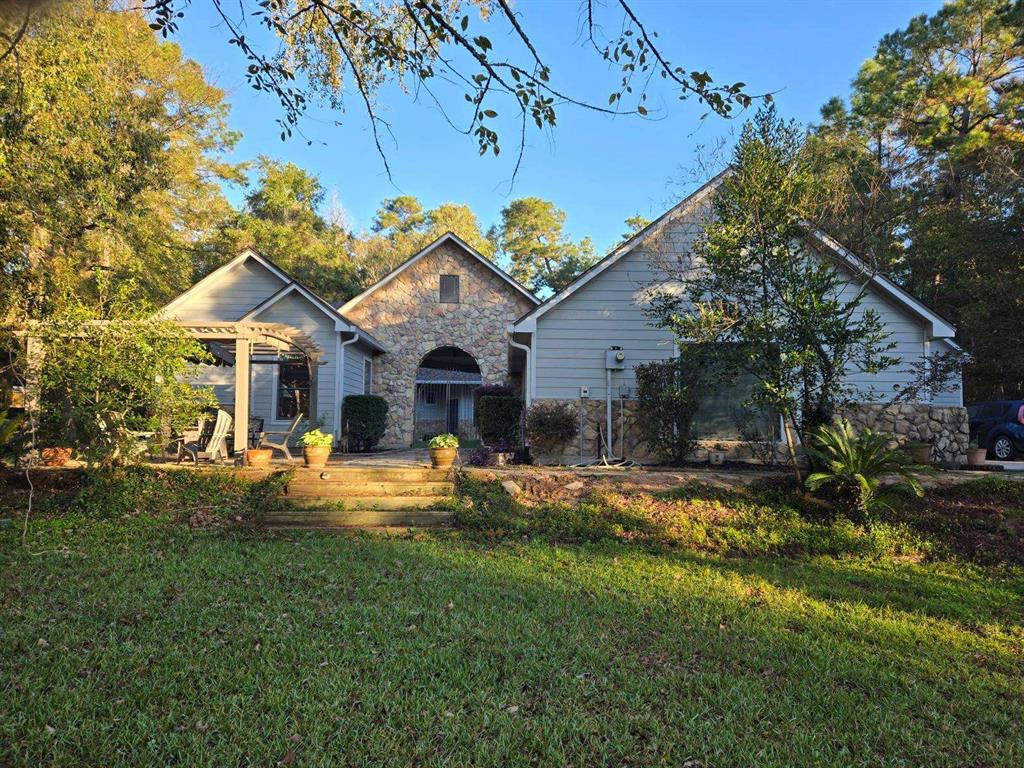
x: 146, y: 642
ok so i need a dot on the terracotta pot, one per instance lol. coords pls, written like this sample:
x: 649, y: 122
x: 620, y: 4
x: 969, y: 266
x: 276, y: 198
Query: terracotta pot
x: 258, y: 458
x: 316, y: 455
x: 443, y: 458
x: 920, y: 453
x: 976, y: 456
x: 55, y: 457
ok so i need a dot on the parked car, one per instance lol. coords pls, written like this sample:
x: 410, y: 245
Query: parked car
x: 998, y: 426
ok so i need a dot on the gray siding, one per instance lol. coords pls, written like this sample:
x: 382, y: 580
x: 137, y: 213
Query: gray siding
x: 572, y: 337
x: 230, y: 296
x: 355, y: 355
x: 297, y: 311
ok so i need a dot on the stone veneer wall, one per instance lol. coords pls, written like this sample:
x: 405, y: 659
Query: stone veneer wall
x: 407, y: 316
x: 905, y: 422
x: 947, y: 426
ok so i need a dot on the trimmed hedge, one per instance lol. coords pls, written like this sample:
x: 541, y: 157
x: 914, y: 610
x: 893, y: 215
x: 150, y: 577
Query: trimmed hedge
x: 365, y: 419
x: 499, y: 420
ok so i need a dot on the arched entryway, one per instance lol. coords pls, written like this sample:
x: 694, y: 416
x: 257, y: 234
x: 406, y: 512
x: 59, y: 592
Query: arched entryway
x: 445, y: 381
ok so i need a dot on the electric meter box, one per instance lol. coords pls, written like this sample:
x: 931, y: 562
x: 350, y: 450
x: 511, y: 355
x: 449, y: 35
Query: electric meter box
x: 615, y: 359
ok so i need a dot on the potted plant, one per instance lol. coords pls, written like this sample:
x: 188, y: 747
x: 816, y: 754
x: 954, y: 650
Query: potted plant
x: 716, y: 456
x: 316, y: 447
x: 920, y: 453
x: 443, y: 450
x: 258, y: 458
x: 975, y: 455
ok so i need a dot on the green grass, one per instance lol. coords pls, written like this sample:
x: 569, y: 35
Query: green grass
x: 149, y: 643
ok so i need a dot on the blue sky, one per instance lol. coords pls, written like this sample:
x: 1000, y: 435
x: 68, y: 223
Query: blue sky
x: 600, y: 170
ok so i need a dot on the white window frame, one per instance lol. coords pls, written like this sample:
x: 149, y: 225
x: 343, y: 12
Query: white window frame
x: 367, y: 375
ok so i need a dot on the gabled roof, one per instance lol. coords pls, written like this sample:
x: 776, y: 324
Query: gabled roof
x: 940, y: 327
x: 527, y: 322
x: 222, y: 270
x: 289, y: 285
x: 445, y: 238
x: 316, y: 300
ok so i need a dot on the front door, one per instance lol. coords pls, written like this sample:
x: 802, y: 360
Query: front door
x: 453, y: 416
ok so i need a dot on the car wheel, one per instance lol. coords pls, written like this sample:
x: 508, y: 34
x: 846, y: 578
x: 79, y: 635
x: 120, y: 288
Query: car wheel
x: 1002, y: 448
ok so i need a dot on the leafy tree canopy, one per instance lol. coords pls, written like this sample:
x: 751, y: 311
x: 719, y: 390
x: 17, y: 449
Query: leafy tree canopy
x: 927, y: 161
x: 110, y: 157
x: 531, y: 238
x: 402, y: 227
x: 475, y: 53
x: 282, y: 220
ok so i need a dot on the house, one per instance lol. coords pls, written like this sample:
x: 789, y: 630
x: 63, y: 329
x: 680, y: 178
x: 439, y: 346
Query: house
x: 448, y: 320
x: 569, y: 337
x: 424, y: 337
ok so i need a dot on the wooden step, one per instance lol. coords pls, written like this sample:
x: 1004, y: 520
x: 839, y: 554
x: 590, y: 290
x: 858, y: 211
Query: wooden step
x: 337, y: 489
x: 364, y: 502
x: 358, y: 517
x: 371, y: 474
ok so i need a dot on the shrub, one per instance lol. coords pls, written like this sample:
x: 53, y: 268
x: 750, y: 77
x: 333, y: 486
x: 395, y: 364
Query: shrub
x: 550, y: 425
x: 365, y: 419
x: 852, y: 466
x: 668, y: 395
x: 481, y: 457
x: 499, y: 420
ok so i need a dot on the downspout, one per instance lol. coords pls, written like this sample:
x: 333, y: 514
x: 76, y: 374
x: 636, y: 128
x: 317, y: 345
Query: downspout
x: 339, y: 384
x: 527, y: 393
x: 527, y: 381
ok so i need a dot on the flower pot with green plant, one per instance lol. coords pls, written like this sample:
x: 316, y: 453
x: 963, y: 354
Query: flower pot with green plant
x: 443, y: 450
x: 316, y: 447
x: 976, y: 456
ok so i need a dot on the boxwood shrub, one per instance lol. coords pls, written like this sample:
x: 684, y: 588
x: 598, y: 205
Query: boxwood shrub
x: 499, y: 420
x: 365, y: 419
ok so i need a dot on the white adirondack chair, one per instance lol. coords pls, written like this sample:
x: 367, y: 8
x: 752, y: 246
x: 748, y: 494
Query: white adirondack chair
x: 213, y: 449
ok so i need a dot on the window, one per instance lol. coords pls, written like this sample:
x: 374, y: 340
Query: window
x: 367, y: 376
x: 449, y: 289
x: 721, y: 414
x: 292, y: 390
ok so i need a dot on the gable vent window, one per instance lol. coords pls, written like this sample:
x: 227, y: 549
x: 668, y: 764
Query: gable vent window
x: 449, y: 289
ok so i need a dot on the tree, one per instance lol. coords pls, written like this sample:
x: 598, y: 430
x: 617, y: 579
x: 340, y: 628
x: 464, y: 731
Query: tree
x: 531, y: 238
x: 111, y: 368
x: 429, y: 47
x: 282, y: 221
x: 931, y: 153
x: 634, y: 224
x: 761, y: 290
x: 111, y: 150
x: 401, y: 228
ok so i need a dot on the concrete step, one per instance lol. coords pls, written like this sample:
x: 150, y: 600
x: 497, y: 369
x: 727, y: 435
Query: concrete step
x: 365, y: 518
x: 338, y: 489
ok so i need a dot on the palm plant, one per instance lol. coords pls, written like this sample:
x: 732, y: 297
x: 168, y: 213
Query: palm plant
x: 853, y: 465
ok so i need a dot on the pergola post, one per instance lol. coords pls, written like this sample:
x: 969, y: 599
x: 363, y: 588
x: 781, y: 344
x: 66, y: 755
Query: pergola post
x: 243, y: 353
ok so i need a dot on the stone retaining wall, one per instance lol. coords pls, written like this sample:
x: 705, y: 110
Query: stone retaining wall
x: 905, y: 422
x: 945, y: 426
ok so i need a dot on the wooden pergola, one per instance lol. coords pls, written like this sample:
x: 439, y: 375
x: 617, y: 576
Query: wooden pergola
x: 265, y: 340
x: 278, y: 340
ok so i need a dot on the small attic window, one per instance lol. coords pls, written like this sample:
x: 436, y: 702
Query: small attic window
x: 449, y: 289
